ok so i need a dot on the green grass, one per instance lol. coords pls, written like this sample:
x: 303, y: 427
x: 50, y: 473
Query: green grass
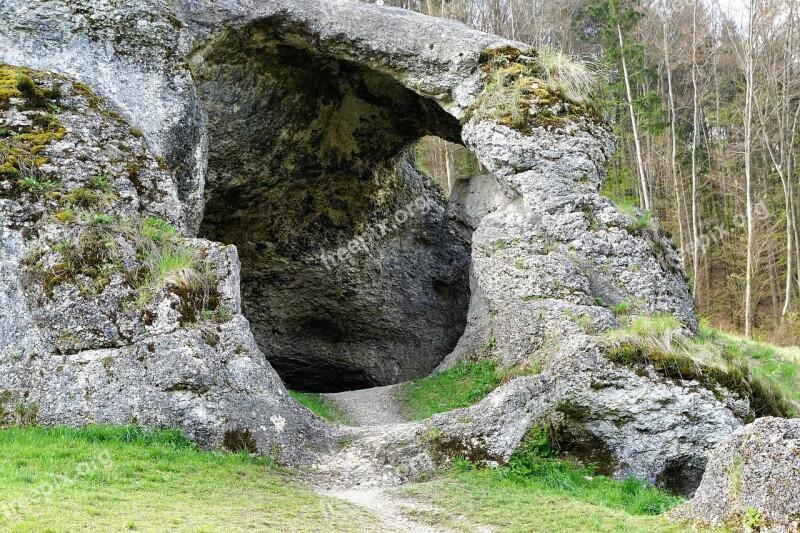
x: 122, y: 478
x: 159, y: 230
x: 514, y: 506
x: 776, y: 367
x: 537, y: 492
x: 322, y: 407
x: 461, y: 386
x: 38, y: 186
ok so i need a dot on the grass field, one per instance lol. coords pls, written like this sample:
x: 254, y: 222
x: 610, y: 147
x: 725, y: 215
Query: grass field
x: 779, y: 366
x: 124, y: 479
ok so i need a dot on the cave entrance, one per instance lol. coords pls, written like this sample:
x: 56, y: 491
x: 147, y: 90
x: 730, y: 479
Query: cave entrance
x: 351, y: 276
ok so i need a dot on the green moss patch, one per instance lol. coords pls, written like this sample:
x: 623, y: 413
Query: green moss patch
x: 21, y: 148
x: 519, y: 95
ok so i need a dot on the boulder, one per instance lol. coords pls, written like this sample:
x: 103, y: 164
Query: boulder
x: 108, y: 312
x: 752, y: 481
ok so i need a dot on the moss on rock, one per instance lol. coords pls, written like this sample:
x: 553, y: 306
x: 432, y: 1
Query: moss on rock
x: 519, y: 96
x: 24, y: 141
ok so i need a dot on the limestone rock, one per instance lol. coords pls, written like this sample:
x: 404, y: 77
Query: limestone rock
x: 87, y: 335
x: 283, y: 127
x: 752, y: 482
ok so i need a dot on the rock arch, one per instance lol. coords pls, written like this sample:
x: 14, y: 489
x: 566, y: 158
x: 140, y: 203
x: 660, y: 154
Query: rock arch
x: 249, y: 91
x: 351, y: 277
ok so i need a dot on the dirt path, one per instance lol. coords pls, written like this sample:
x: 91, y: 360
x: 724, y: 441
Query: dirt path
x: 402, y: 514
x: 371, y: 407
x: 376, y: 407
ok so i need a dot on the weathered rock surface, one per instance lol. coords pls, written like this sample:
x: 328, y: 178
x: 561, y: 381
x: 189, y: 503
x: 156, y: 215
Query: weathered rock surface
x: 752, y: 482
x: 87, y: 336
x: 283, y: 127
x: 550, y: 258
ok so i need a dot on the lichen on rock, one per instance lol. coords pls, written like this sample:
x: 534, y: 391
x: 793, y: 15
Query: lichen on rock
x: 752, y: 481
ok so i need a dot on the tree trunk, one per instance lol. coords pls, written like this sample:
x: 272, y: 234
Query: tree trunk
x: 748, y: 169
x: 695, y: 137
x: 634, y: 124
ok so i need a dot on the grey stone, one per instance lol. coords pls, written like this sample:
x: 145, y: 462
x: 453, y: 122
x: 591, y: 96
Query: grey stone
x: 752, y: 482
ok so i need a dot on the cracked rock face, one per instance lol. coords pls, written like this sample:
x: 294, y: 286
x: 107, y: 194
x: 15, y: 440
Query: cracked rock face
x: 282, y: 127
x: 109, y: 314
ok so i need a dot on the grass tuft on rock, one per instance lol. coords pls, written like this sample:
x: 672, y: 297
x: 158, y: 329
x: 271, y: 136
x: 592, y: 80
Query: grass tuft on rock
x: 30, y: 91
x: 526, y: 90
x: 94, y: 252
x: 770, y: 379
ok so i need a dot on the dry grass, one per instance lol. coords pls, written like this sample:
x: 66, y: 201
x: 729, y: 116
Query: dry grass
x: 526, y: 90
x: 96, y: 247
x: 577, y: 79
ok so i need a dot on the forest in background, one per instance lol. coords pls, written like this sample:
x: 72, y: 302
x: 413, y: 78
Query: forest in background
x: 704, y: 98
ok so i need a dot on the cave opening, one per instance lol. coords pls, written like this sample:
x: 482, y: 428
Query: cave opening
x: 352, y: 275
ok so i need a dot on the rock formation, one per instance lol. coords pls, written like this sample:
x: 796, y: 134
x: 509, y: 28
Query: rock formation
x: 283, y: 127
x: 752, y: 482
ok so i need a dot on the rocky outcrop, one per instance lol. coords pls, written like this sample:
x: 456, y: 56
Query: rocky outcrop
x: 552, y: 261
x: 283, y: 128
x: 109, y: 314
x: 752, y: 482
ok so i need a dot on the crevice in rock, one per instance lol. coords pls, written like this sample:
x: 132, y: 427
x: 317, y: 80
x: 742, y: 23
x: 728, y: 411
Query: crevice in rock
x: 351, y: 275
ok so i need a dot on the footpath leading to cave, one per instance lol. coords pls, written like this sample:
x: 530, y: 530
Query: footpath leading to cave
x: 377, y: 406
x: 380, y: 406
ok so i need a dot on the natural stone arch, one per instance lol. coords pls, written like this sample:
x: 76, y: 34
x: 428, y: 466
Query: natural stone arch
x: 351, y: 276
x: 550, y: 256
